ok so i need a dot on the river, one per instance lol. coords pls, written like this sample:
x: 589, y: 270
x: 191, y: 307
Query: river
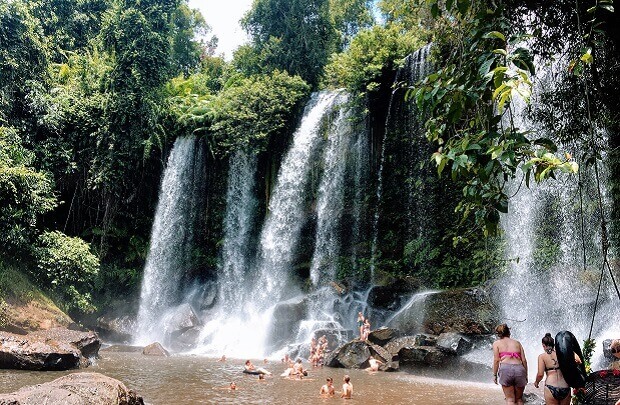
x: 204, y: 380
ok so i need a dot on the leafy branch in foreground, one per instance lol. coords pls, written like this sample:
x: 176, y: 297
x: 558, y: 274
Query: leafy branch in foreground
x: 469, y: 101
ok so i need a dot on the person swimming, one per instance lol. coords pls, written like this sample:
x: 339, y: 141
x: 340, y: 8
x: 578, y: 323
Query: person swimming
x: 328, y: 388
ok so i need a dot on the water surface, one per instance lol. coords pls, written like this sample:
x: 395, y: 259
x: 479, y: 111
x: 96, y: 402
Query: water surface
x: 203, y: 380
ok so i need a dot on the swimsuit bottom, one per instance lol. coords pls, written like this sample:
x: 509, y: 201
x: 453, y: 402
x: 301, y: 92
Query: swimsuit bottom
x: 512, y: 375
x: 558, y: 393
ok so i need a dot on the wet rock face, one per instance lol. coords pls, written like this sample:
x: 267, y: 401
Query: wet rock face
x: 54, y: 349
x: 383, y: 335
x: 427, y: 355
x: 75, y: 389
x: 467, y: 311
x: 287, y: 317
x: 116, y: 328
x: 351, y: 355
x: 454, y: 343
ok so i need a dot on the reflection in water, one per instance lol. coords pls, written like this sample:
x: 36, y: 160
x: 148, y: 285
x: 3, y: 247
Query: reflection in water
x: 202, y: 380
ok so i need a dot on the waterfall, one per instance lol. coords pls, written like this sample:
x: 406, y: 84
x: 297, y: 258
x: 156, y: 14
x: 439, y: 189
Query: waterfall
x: 281, y: 230
x: 241, y: 323
x: 172, y: 236
x: 547, y: 287
x: 331, y: 198
x: 237, y: 252
x: 403, y: 128
x: 361, y: 157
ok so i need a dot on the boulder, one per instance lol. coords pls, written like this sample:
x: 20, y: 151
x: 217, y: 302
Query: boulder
x: 454, y: 343
x: 32, y: 353
x: 87, y: 343
x: 75, y: 389
x: 354, y: 354
x: 383, y: 335
x: 468, y: 311
x: 394, y: 346
x: 287, y: 316
x: 155, y: 349
x: 186, y: 340
x: 422, y: 339
x: 388, y: 297
x: 384, y: 356
x: 426, y: 355
x: 116, y: 328
x: 181, y: 319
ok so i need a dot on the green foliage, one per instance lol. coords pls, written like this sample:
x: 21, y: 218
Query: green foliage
x: 24, y: 193
x: 249, y: 113
x: 372, y: 53
x: 296, y: 36
x: 23, y: 61
x: 467, y: 99
x: 186, y: 50
x: 67, y: 266
x: 351, y: 16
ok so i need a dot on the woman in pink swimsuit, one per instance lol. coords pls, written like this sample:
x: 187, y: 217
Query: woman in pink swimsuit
x: 510, y: 365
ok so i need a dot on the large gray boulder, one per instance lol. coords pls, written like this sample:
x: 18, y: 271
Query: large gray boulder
x: 287, y: 317
x: 118, y: 329
x: 394, y: 346
x: 181, y: 319
x: 88, y: 343
x: 354, y: 354
x: 425, y: 355
x: 75, y: 389
x: 56, y: 349
x: 383, y: 335
x: 454, y: 343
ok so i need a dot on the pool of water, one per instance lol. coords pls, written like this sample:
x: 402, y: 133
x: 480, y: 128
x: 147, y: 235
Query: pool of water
x: 204, y: 380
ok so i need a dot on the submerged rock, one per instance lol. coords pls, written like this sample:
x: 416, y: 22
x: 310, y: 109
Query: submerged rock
x: 75, y: 389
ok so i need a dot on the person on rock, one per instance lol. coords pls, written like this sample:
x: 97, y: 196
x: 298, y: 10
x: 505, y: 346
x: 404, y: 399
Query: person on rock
x: 510, y: 364
x: 557, y: 391
x: 374, y: 364
x: 366, y: 331
x: 360, y: 324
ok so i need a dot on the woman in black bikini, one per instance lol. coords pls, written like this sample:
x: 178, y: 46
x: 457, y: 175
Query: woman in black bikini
x: 557, y: 391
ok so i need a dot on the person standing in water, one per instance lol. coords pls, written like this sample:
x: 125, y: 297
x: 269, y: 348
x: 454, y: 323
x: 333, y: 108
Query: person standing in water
x: 510, y: 365
x: 557, y: 391
x: 328, y: 388
x: 347, y: 388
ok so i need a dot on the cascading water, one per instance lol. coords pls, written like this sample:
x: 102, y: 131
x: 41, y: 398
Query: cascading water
x: 548, y: 287
x: 241, y: 324
x: 241, y: 206
x: 331, y: 199
x: 170, y: 254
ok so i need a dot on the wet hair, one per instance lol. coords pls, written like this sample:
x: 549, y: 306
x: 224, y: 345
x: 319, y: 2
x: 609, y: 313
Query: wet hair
x: 329, y: 379
x: 548, y: 340
x: 247, y: 362
x: 615, y: 344
x: 502, y: 330
x: 347, y: 378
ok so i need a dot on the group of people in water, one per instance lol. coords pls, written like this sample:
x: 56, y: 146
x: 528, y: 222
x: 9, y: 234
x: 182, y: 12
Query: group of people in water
x: 510, y: 368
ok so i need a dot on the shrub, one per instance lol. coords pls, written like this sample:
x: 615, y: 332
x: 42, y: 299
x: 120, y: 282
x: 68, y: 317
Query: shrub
x: 68, y: 267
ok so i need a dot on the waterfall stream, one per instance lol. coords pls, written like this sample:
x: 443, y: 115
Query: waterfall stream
x: 170, y: 252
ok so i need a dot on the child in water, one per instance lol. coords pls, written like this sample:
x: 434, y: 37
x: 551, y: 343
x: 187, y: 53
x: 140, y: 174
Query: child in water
x: 347, y: 388
x: 328, y: 388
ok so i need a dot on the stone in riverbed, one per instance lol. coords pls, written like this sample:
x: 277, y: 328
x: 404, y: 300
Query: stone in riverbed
x: 454, y: 343
x: 427, y: 355
x: 87, y: 343
x: 351, y: 355
x: 75, y: 389
x: 155, y: 349
x: 383, y: 335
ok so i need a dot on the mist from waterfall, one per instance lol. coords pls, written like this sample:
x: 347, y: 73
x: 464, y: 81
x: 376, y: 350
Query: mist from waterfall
x: 170, y: 252
x: 548, y: 287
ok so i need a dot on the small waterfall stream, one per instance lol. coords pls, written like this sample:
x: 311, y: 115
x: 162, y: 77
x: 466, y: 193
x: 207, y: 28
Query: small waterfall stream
x: 170, y: 253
